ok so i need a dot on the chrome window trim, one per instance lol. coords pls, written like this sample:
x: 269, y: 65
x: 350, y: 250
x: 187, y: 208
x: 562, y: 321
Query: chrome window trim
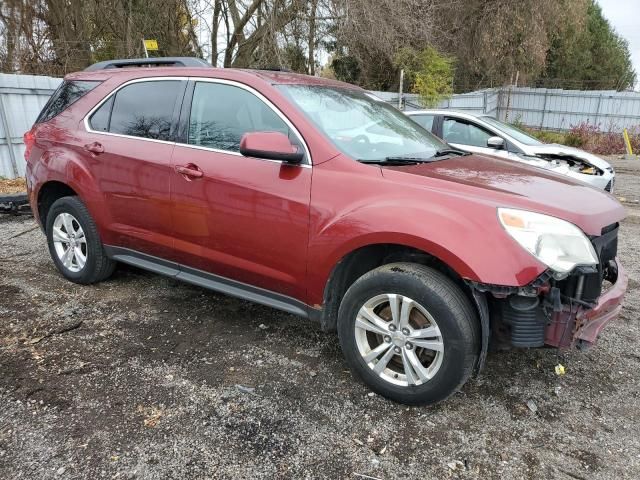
x: 87, y: 125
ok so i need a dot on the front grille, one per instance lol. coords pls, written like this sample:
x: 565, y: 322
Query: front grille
x: 609, y: 186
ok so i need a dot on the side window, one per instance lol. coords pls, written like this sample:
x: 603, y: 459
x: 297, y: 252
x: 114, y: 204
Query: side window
x: 456, y: 131
x: 221, y: 114
x: 66, y: 94
x: 144, y: 109
x: 426, y: 121
x: 100, y: 119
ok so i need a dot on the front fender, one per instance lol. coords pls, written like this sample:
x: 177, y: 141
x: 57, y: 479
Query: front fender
x: 463, y: 234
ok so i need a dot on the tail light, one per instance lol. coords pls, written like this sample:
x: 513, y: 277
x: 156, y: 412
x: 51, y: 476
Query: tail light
x: 29, y: 140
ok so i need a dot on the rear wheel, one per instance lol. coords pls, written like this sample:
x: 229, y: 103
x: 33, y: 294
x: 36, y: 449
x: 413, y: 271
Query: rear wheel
x: 409, y: 332
x: 74, y: 242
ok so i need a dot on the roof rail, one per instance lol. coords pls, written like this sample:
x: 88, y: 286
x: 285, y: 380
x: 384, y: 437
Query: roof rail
x: 276, y: 69
x: 156, y: 61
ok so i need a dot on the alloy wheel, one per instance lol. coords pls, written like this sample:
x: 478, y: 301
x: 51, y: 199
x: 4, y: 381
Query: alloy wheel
x: 399, y: 339
x: 69, y: 242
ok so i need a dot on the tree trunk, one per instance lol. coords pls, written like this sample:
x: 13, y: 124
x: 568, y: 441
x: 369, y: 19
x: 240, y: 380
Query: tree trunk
x: 214, y: 32
x: 312, y: 36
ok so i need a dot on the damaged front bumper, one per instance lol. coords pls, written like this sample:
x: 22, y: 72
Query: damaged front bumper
x: 547, y: 312
x: 578, y: 325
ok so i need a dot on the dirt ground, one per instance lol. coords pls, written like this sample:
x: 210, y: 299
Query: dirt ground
x: 144, y: 377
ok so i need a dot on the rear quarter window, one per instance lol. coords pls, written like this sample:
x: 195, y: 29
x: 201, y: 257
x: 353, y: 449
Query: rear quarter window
x: 65, y: 95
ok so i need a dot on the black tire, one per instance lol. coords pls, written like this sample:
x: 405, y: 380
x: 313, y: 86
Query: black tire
x: 450, y: 308
x: 98, y: 266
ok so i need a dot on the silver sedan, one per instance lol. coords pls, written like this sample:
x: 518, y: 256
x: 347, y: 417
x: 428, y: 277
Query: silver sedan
x: 485, y: 134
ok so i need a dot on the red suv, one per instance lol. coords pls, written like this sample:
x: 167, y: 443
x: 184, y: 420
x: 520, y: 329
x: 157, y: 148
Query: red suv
x: 315, y: 197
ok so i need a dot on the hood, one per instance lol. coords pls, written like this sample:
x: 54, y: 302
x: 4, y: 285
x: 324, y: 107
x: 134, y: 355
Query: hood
x: 564, y: 151
x: 503, y: 183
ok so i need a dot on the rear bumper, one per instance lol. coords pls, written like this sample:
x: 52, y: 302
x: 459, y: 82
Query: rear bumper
x: 577, y: 324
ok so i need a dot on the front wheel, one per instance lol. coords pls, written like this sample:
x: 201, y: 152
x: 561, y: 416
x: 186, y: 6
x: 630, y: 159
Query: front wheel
x: 409, y: 332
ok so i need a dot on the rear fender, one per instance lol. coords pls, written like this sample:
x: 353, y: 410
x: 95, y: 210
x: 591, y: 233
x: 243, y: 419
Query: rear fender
x: 65, y: 165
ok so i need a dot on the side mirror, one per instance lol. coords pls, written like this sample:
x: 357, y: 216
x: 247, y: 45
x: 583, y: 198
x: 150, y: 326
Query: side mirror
x: 270, y: 146
x: 495, y: 142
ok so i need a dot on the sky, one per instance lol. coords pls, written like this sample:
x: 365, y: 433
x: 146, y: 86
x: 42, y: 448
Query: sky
x: 625, y: 17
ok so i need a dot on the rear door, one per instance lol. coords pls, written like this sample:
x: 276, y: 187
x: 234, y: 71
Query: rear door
x: 130, y: 140
x: 242, y: 218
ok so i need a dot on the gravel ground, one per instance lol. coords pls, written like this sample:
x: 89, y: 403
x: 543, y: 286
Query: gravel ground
x: 144, y: 377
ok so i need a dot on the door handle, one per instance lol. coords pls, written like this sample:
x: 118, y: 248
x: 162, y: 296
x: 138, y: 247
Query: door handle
x: 94, y: 147
x: 190, y: 171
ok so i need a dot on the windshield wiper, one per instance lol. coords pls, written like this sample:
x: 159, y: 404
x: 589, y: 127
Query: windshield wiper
x: 396, y: 160
x: 450, y: 151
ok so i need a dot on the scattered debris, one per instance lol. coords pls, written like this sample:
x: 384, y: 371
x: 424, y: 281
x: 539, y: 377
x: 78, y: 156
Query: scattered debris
x: 65, y: 327
x: 532, y: 406
x: 245, y: 389
x: 362, y: 475
x: 19, y: 234
x: 560, y: 370
x: 152, y: 415
x: 455, y: 465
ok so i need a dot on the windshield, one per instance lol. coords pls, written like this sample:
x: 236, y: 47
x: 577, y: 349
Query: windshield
x: 361, y: 125
x: 512, y: 131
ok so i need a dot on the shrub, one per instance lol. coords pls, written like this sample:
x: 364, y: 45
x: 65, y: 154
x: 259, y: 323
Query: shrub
x: 429, y: 73
x: 589, y: 137
x: 548, y: 136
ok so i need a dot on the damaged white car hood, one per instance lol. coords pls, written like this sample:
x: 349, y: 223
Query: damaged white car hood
x: 564, y: 151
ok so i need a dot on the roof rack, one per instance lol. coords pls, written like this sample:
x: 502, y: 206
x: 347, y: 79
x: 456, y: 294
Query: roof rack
x: 155, y: 61
x: 275, y: 69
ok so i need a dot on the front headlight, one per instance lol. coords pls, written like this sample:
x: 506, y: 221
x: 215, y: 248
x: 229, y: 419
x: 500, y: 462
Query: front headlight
x: 558, y: 244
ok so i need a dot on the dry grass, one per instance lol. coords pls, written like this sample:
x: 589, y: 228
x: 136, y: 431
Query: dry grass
x: 16, y: 185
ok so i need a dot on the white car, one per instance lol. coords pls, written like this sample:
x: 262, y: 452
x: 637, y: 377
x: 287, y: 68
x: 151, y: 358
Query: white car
x: 485, y: 134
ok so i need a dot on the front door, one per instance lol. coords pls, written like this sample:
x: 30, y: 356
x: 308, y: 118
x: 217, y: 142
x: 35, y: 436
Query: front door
x: 129, y: 138
x: 469, y: 136
x: 242, y: 218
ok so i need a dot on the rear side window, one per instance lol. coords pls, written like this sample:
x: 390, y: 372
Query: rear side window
x: 221, y: 114
x: 65, y: 95
x: 143, y: 109
x: 426, y: 121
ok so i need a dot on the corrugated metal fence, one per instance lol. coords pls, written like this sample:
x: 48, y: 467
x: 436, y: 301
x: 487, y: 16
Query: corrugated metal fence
x: 542, y: 108
x: 23, y: 96
x: 21, y: 99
